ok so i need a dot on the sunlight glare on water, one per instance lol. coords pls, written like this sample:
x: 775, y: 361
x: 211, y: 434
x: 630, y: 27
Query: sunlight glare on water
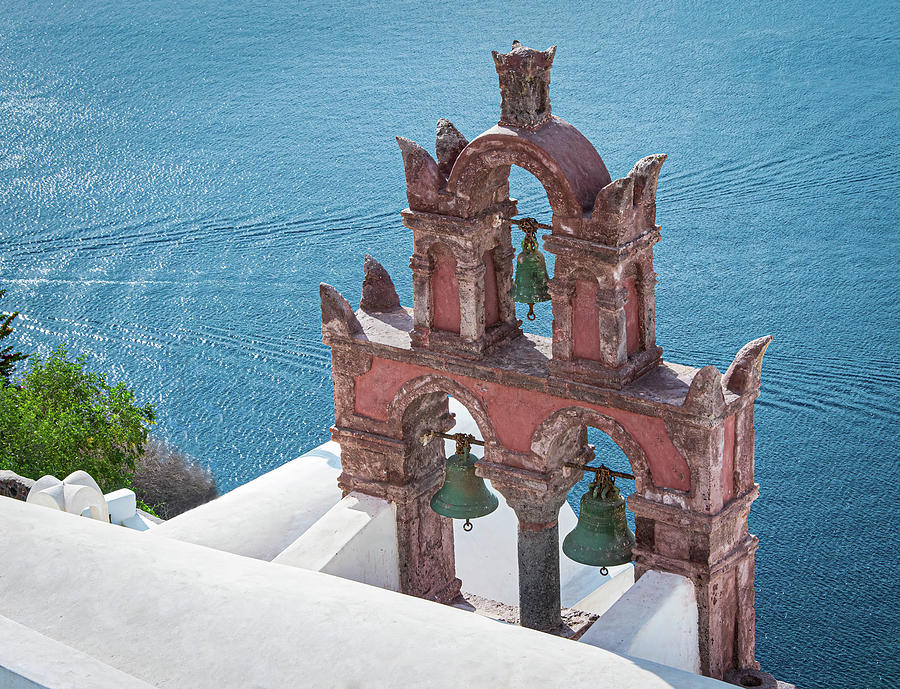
x: 176, y: 178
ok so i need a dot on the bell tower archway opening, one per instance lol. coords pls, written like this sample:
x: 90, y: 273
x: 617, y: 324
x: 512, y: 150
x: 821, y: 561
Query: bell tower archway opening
x: 485, y: 556
x: 608, y: 453
x: 532, y: 202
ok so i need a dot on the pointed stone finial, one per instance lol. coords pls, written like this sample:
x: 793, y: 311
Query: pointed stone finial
x: 524, y: 85
x: 338, y: 319
x: 423, y: 179
x: 378, y: 292
x: 705, y: 394
x: 746, y: 369
x: 645, y: 174
x: 616, y: 198
x: 448, y: 145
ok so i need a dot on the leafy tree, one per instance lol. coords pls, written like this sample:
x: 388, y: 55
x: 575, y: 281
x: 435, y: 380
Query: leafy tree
x: 59, y: 417
x: 8, y: 358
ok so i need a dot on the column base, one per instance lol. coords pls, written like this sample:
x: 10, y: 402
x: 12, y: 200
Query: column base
x: 448, y: 594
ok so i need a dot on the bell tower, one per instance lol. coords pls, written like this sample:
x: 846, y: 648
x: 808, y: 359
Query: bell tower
x: 687, y: 432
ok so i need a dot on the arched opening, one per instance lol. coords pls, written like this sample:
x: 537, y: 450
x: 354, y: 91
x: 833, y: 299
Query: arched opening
x: 583, y: 436
x: 567, y: 434
x: 485, y: 558
x: 555, y: 172
x: 605, y: 451
x: 534, y: 202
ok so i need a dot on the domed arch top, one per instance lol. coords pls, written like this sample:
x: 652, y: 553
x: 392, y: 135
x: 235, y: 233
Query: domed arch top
x: 563, y: 160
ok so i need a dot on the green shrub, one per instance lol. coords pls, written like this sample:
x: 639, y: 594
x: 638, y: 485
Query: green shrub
x: 57, y: 418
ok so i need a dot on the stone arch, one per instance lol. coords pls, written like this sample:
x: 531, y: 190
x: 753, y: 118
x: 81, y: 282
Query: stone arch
x: 563, y: 435
x: 470, y: 179
x: 416, y: 388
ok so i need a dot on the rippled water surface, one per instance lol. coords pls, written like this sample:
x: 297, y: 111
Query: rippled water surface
x: 176, y: 178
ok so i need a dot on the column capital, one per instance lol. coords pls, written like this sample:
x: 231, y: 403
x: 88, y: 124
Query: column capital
x: 535, y: 497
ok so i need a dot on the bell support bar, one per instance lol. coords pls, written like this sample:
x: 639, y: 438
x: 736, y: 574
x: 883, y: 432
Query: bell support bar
x: 529, y: 225
x: 463, y: 440
x: 601, y: 469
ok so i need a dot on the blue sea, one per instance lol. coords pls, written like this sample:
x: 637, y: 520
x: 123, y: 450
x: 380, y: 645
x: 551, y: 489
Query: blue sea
x: 176, y: 178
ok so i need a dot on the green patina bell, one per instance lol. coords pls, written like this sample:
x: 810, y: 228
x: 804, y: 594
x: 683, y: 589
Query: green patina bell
x: 530, y: 285
x: 463, y: 495
x: 602, y: 537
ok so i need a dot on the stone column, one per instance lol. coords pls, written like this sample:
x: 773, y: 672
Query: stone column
x: 470, y: 276
x: 503, y: 266
x: 647, y: 289
x: 611, y: 304
x: 537, y: 503
x: 562, y: 291
x: 539, y: 601
x: 716, y: 552
x: 421, y: 271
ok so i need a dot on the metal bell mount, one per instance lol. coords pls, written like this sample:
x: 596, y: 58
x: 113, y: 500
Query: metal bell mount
x: 602, y: 537
x: 530, y: 284
x: 464, y: 494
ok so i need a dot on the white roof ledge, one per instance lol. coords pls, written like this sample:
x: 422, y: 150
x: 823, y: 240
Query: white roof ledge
x: 175, y: 614
x: 29, y: 660
x: 261, y: 518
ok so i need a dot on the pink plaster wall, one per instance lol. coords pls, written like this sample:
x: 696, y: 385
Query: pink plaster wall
x: 728, y: 461
x: 445, y: 294
x: 491, y: 303
x: 586, y: 321
x: 515, y: 414
x: 632, y: 317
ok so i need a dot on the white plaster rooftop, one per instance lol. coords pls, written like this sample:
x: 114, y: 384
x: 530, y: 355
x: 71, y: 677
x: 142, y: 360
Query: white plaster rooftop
x: 206, y: 618
x: 263, y: 517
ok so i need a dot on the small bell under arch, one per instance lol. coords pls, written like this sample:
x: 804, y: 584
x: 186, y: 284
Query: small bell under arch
x: 464, y: 494
x: 530, y: 283
x: 602, y: 537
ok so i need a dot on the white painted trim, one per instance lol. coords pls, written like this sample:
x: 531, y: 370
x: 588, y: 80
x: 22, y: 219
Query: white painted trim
x: 30, y: 660
x: 356, y: 539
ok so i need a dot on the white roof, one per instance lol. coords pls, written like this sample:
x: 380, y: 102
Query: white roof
x: 175, y: 614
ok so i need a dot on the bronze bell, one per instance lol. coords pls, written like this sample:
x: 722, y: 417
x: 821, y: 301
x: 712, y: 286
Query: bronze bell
x: 602, y: 537
x: 464, y: 495
x: 530, y: 284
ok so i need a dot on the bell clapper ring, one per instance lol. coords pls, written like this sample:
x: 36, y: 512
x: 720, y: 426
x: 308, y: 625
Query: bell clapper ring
x: 603, y: 571
x: 531, y: 315
x: 467, y: 526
